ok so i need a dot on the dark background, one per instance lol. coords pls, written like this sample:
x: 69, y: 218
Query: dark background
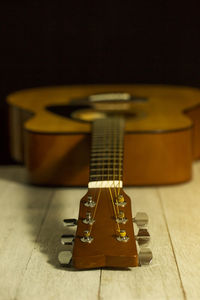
x: 73, y: 42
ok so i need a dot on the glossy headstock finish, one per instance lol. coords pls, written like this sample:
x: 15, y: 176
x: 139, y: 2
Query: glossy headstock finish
x: 105, y: 250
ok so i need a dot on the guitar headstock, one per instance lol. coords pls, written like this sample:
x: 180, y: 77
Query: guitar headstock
x: 105, y: 232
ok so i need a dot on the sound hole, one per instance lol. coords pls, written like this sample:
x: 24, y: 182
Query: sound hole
x: 85, y: 110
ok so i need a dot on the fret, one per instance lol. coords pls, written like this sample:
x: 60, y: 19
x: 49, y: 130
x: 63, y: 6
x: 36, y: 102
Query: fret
x: 105, y: 176
x: 105, y: 169
x: 108, y: 176
x: 106, y: 155
x: 103, y: 159
x: 113, y: 153
x: 113, y: 137
x: 105, y: 148
x: 108, y: 151
x: 106, y: 159
x: 106, y: 172
x: 108, y: 145
x: 100, y: 164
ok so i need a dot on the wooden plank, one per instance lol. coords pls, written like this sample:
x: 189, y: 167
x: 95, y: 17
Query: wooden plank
x: 29, y: 244
x: 44, y: 278
x: 9, y: 174
x: 160, y: 280
x: 181, y: 205
x: 22, y: 212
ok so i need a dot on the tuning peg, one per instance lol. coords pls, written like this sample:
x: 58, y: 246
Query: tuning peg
x: 145, y: 256
x: 88, y: 220
x: 90, y: 202
x: 65, y: 258
x: 141, y: 219
x: 67, y: 239
x: 86, y: 238
x: 143, y: 237
x: 70, y: 222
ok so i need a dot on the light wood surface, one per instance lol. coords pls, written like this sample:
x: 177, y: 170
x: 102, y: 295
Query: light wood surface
x: 30, y: 221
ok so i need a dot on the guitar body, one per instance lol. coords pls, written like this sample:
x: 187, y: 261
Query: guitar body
x: 50, y: 132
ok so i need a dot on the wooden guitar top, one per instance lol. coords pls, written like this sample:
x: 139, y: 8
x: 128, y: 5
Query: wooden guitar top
x: 162, y: 110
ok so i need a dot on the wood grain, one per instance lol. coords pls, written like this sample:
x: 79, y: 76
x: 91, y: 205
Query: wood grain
x: 148, y: 158
x: 30, y: 219
x: 158, y: 281
x: 21, y: 215
x: 47, y: 278
x: 105, y: 250
x: 181, y: 205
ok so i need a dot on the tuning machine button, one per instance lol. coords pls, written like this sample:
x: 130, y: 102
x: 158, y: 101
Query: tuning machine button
x: 141, y: 219
x: 145, y: 256
x: 67, y: 239
x: 143, y: 237
x: 65, y: 258
x: 70, y: 222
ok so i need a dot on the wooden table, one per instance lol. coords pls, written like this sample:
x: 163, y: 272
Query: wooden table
x: 31, y: 226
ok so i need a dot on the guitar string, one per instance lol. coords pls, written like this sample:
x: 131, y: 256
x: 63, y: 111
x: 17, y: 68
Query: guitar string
x: 118, y: 227
x: 120, y: 146
x: 117, y: 135
x: 105, y: 139
x: 102, y: 172
x: 99, y: 193
x: 119, y: 140
x: 95, y: 209
x: 98, y: 197
x: 114, y: 148
x: 111, y: 195
x: 116, y: 124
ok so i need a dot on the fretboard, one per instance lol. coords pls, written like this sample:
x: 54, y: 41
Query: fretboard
x: 106, y: 159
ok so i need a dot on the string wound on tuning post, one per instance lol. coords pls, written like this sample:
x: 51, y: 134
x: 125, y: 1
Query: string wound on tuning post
x: 88, y: 220
x: 120, y: 201
x: 86, y: 237
x: 90, y: 202
x: 122, y: 236
x: 121, y: 218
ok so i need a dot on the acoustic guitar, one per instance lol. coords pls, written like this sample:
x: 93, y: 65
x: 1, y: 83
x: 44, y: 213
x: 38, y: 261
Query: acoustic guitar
x: 113, y: 135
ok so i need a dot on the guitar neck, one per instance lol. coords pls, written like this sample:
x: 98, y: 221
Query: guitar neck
x: 106, y: 160
x: 105, y: 234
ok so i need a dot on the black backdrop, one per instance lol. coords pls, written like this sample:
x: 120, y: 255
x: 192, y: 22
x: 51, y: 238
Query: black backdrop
x: 71, y: 42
